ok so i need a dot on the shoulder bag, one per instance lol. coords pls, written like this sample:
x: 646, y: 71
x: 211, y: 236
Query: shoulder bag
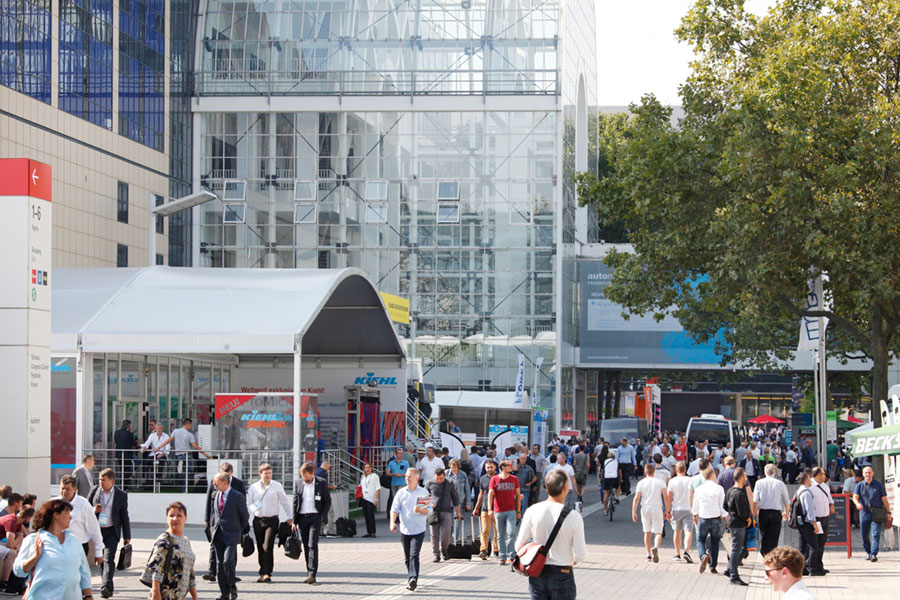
x: 879, y: 513
x: 147, y: 575
x: 531, y: 557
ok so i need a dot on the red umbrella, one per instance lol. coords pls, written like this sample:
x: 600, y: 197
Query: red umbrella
x: 764, y: 419
x: 853, y: 419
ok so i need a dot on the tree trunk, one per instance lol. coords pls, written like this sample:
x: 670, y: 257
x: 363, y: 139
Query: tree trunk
x: 609, y: 396
x: 880, y: 361
x: 618, y: 392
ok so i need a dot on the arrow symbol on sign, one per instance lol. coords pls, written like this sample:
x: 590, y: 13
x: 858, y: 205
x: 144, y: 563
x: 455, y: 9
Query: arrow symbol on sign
x: 34, y: 177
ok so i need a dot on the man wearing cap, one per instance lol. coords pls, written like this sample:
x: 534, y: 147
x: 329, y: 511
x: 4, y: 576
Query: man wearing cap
x: 428, y: 464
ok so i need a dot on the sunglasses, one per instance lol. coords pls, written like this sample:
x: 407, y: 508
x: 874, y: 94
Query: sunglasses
x: 771, y: 571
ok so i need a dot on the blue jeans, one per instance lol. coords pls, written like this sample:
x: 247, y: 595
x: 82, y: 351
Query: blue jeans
x: 506, y: 532
x: 525, y: 493
x: 709, y: 533
x: 553, y: 584
x: 871, y: 532
x: 412, y: 546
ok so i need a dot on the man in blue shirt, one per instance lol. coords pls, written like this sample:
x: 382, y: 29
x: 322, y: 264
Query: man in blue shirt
x: 397, y: 468
x: 870, y: 494
x: 626, y: 456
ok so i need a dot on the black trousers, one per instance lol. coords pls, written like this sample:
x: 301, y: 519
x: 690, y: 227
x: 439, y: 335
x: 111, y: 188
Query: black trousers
x: 769, y: 529
x: 821, y: 539
x: 809, y: 545
x: 369, y: 514
x: 226, y: 561
x: 310, y: 526
x: 265, y: 529
x: 627, y: 470
x: 108, y: 568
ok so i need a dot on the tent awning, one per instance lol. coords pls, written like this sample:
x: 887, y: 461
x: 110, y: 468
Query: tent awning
x: 172, y: 310
x: 883, y: 440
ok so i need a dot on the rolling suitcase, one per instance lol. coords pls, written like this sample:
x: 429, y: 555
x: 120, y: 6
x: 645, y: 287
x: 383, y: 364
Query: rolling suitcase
x: 459, y: 548
x: 475, y: 539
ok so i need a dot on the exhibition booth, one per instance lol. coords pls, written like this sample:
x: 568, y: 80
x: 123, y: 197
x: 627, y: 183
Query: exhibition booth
x: 269, y: 363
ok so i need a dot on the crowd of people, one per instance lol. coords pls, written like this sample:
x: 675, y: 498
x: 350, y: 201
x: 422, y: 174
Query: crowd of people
x: 699, y: 489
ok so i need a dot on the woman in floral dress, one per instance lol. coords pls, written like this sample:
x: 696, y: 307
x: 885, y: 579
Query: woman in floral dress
x: 172, y: 577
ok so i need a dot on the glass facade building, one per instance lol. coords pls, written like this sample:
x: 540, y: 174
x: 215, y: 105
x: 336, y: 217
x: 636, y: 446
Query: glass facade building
x: 142, y: 49
x: 86, y: 60
x: 25, y: 47
x: 421, y: 142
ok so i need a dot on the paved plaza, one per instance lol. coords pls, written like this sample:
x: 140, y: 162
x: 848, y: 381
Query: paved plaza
x: 371, y: 569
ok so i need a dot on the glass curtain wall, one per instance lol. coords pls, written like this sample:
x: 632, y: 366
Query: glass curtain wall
x: 393, y: 47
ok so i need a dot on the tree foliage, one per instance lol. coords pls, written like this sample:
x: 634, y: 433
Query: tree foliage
x: 785, y: 164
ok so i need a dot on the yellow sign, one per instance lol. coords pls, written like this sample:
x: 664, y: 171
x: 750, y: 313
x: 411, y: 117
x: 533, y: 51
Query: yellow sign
x: 397, y: 307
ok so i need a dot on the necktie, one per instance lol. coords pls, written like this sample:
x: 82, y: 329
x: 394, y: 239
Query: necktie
x: 221, y: 502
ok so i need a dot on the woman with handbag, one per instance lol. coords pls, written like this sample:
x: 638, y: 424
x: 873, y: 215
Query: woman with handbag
x: 52, y: 559
x: 170, y: 569
x: 369, y: 486
x: 871, y: 500
x: 555, y: 579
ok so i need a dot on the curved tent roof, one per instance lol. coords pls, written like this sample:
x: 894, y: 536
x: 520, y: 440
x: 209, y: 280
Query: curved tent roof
x: 210, y: 311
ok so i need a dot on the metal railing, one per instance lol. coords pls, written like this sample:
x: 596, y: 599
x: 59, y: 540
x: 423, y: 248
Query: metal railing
x: 137, y: 472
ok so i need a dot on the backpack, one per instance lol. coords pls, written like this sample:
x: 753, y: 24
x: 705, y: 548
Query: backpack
x: 345, y: 527
x: 795, y: 514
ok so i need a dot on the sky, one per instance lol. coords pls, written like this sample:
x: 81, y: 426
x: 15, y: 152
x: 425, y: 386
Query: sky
x: 637, y: 52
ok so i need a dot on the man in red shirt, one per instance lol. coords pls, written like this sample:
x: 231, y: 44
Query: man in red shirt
x: 505, y: 499
x: 681, y: 449
x: 11, y: 529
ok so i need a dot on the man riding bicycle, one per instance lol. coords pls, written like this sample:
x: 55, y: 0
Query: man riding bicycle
x: 612, y: 478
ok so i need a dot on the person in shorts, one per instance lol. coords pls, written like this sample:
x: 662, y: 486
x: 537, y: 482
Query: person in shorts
x: 678, y: 504
x: 649, y: 495
x: 611, y: 476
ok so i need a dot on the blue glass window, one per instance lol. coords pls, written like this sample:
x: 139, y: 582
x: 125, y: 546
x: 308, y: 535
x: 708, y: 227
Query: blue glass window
x: 85, y: 60
x: 25, y: 47
x: 142, y: 45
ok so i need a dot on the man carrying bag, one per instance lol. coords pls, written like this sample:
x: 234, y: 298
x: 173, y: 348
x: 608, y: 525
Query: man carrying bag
x: 564, y: 550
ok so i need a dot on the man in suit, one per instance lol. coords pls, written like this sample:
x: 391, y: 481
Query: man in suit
x: 126, y: 443
x: 237, y: 485
x: 84, y: 477
x: 311, y: 503
x: 228, y: 517
x: 111, y: 507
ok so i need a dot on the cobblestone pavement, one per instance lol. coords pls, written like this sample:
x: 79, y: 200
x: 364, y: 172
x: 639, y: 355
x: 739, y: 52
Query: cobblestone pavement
x: 372, y: 569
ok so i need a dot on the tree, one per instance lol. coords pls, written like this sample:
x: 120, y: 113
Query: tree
x: 784, y: 165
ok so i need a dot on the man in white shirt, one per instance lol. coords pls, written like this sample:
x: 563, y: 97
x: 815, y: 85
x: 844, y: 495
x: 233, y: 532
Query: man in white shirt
x: 428, y: 464
x: 824, y: 504
x: 678, y: 505
x: 668, y: 460
x: 661, y: 471
x: 789, y: 473
x: 412, y: 505
x: 784, y: 571
x: 562, y: 464
x: 709, y: 516
x: 694, y: 468
x: 569, y: 547
x: 649, y: 494
x: 771, y: 503
x: 183, y: 441
x: 264, y: 498
x: 84, y: 525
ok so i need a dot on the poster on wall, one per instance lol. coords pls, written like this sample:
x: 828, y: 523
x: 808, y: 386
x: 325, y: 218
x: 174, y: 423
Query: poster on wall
x: 519, y: 434
x: 608, y: 338
x: 259, y: 422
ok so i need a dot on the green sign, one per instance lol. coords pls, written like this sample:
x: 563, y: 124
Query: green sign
x: 884, y: 440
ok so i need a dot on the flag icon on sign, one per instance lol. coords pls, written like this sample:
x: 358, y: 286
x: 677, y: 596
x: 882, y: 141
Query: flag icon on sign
x: 34, y: 276
x: 46, y: 278
x: 40, y: 278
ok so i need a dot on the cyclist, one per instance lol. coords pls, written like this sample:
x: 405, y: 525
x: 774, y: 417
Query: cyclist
x: 612, y: 477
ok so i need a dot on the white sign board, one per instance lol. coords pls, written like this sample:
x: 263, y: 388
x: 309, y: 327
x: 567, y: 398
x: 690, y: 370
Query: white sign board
x: 25, y: 270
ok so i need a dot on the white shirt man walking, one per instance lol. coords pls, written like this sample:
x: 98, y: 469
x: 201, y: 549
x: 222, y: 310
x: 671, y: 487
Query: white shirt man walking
x: 264, y: 499
x: 678, y: 505
x: 557, y: 579
x: 771, y: 502
x: 649, y: 494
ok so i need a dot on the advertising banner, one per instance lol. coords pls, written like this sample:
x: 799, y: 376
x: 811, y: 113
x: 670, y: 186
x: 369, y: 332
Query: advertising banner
x: 520, y: 382
x: 519, y: 434
x: 608, y: 338
x: 539, y: 427
x: 468, y: 439
x: 397, y: 308
x: 254, y: 422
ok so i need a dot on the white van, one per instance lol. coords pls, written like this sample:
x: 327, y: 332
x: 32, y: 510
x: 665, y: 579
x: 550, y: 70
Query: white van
x: 715, y: 428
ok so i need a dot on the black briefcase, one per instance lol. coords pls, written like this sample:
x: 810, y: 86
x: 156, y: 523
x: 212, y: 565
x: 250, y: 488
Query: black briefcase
x: 459, y: 547
x: 246, y: 545
x: 124, y: 561
x: 292, y: 546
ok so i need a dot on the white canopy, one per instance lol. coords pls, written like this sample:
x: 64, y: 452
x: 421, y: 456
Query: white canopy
x: 174, y: 310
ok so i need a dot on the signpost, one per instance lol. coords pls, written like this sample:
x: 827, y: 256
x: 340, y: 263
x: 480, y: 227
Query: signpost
x: 25, y: 270
x: 839, y: 524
